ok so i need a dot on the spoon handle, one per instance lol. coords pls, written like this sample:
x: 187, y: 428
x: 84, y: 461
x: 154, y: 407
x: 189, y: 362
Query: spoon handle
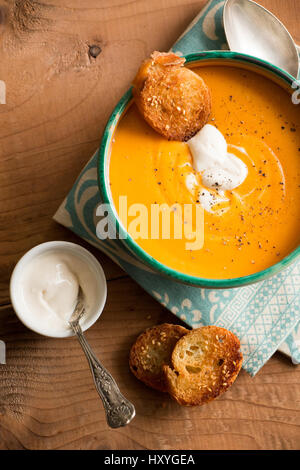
x: 119, y: 411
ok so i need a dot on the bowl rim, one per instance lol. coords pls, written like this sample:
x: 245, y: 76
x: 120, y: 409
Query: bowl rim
x: 127, y: 240
x: 37, y: 250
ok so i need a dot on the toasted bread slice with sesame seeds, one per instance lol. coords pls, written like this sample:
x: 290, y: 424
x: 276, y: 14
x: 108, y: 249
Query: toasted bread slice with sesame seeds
x: 151, y: 351
x: 173, y: 99
x: 205, y: 363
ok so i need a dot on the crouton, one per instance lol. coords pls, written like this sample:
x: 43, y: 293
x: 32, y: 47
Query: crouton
x: 205, y: 363
x: 151, y: 351
x: 173, y: 99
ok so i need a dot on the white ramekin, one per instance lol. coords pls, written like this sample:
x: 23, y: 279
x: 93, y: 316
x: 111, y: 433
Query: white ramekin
x: 79, y: 251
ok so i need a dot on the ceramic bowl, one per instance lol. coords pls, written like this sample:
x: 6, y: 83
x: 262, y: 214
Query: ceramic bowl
x: 65, y: 247
x: 230, y: 58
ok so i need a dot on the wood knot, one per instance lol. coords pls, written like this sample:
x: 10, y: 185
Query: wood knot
x: 94, y: 51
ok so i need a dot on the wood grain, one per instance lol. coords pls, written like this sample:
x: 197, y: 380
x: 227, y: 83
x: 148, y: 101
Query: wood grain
x: 58, y: 100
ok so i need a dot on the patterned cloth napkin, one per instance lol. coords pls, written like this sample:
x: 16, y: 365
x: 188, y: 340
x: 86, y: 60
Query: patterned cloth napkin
x: 264, y: 316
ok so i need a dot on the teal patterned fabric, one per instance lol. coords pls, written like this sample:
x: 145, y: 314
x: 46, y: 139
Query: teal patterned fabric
x: 261, y: 315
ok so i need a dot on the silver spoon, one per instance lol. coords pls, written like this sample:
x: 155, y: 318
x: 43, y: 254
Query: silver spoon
x: 251, y: 29
x: 119, y: 411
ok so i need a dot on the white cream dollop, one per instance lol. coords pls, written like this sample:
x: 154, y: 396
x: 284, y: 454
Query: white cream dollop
x: 49, y: 286
x: 209, y: 200
x: 219, y: 169
x: 191, y: 182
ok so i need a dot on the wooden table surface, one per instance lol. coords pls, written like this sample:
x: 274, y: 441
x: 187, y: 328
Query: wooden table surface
x: 58, y: 100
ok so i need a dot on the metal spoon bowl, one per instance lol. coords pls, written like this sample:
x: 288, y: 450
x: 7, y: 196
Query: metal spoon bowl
x: 119, y: 410
x: 253, y: 30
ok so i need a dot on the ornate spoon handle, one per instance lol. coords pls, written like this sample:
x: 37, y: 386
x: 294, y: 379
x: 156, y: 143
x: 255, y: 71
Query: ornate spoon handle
x: 119, y: 411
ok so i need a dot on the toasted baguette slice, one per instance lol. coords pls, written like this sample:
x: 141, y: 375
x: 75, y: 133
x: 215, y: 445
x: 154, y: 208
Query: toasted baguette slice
x: 205, y: 363
x: 151, y: 351
x: 173, y: 99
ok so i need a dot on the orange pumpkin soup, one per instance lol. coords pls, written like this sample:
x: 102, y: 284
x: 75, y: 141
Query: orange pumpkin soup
x: 258, y: 224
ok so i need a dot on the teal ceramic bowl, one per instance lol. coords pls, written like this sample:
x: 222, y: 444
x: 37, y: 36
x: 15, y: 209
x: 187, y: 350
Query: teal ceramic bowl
x: 231, y: 58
